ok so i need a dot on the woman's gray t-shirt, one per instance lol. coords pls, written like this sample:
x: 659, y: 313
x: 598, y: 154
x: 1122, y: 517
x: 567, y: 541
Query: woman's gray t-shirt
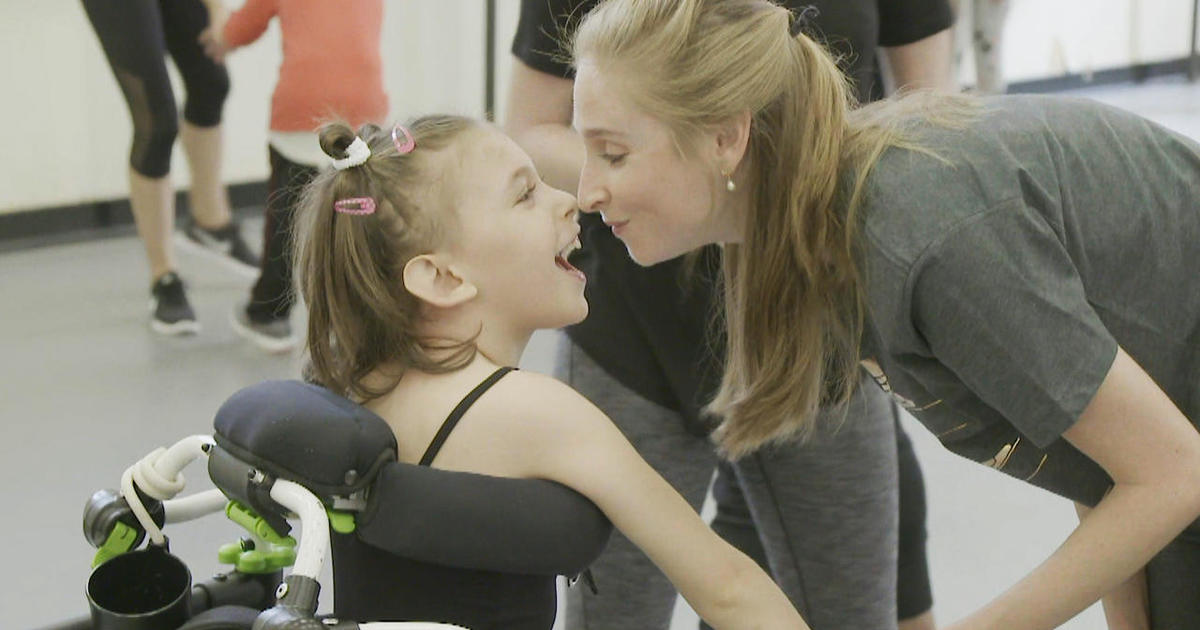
x: 1002, y: 278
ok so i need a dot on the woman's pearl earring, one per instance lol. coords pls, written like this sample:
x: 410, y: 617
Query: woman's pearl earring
x: 729, y: 185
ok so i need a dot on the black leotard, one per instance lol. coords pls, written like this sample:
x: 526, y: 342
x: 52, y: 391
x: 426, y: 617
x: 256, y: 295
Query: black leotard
x: 374, y: 585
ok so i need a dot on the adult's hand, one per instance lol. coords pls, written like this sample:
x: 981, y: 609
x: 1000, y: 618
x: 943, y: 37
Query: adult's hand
x: 212, y: 38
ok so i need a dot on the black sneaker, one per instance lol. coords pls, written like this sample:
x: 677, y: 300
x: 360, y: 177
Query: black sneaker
x: 170, y: 312
x: 224, y: 245
x: 274, y: 336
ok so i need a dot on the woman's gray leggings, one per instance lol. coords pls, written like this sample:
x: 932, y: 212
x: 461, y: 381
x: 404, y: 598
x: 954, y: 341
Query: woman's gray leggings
x: 826, y: 511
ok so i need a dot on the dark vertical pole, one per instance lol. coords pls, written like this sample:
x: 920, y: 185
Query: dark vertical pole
x: 1192, y: 45
x: 489, y: 62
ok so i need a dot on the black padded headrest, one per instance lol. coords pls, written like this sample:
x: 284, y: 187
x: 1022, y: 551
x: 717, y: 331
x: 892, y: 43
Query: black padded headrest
x: 307, y: 434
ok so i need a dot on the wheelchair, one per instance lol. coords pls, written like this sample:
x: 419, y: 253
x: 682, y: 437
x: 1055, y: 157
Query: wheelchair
x: 286, y: 451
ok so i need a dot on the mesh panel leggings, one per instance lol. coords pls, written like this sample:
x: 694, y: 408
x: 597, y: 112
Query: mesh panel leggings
x: 136, y: 35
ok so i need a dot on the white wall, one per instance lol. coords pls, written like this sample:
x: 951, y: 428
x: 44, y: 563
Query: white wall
x: 67, y: 133
x: 67, y: 136
x: 1046, y: 38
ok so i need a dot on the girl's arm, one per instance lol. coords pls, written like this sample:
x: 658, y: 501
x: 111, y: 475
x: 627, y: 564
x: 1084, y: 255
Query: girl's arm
x: 1127, y: 606
x: 575, y: 444
x: 1152, y: 453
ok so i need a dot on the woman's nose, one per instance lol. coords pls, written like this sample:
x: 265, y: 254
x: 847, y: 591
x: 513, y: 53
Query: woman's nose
x: 591, y: 196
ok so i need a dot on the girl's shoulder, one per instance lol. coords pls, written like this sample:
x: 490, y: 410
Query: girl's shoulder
x: 527, y: 425
x: 523, y: 396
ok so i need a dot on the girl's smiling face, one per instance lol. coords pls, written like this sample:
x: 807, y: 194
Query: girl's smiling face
x: 513, y: 235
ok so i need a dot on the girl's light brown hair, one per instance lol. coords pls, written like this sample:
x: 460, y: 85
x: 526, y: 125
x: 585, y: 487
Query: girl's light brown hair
x: 794, y: 308
x: 362, y: 323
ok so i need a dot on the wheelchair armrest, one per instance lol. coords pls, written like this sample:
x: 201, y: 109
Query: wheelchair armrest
x: 474, y: 521
x: 336, y: 449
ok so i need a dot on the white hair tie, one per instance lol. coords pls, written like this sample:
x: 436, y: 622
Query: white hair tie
x: 356, y: 154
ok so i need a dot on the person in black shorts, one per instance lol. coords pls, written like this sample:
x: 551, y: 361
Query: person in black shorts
x: 136, y: 35
x: 645, y: 355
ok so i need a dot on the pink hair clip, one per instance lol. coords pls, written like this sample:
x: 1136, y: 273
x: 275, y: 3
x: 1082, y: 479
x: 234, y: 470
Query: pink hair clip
x: 355, y: 205
x: 403, y: 147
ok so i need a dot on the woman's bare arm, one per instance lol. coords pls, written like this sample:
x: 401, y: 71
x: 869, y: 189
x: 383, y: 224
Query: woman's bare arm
x: 1152, y: 453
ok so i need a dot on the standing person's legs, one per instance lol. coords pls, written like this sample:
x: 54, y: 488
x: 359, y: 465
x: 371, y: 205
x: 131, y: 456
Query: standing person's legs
x: 827, y: 513
x: 1173, y: 583
x: 203, y: 147
x: 272, y: 296
x: 914, y: 595
x: 633, y: 593
x: 264, y: 320
x: 987, y: 38
x: 206, y: 85
x: 152, y: 201
x: 130, y: 32
x: 212, y: 231
x: 733, y: 521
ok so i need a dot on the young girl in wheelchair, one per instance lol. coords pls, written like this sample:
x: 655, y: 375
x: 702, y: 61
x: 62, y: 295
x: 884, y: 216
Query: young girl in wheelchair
x: 428, y: 257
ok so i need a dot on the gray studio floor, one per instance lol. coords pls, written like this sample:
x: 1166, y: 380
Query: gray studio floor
x: 86, y: 388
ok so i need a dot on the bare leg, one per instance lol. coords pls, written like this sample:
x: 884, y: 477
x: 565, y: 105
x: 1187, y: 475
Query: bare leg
x: 210, y: 201
x: 923, y: 621
x: 153, y: 202
x: 988, y: 38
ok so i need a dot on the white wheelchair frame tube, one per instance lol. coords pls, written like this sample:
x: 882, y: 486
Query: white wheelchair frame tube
x: 157, y: 474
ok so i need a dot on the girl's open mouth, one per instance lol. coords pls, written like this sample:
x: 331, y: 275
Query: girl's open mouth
x: 561, y: 260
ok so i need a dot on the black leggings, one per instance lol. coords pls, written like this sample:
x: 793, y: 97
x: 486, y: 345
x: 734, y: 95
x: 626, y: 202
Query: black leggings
x: 136, y: 35
x: 272, y: 296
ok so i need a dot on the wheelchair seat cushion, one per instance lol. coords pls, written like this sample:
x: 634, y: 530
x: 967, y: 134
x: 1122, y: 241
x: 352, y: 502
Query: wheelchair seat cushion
x: 307, y: 434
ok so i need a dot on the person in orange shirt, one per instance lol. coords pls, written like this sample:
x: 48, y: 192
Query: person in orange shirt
x: 331, y: 69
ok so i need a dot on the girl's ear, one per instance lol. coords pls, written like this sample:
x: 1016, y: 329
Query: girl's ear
x: 429, y: 278
x: 732, y: 138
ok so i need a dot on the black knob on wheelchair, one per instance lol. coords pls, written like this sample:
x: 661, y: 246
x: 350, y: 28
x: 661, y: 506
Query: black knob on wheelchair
x: 296, y: 608
x: 107, y: 507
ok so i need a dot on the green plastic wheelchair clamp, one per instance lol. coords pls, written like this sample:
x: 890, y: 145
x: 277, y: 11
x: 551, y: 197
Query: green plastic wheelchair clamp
x: 255, y: 524
x: 341, y: 522
x: 229, y: 554
x: 119, y: 541
x: 254, y: 561
x: 280, y: 551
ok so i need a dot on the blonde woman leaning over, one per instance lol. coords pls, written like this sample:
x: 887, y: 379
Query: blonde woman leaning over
x: 1024, y: 272
x: 427, y: 259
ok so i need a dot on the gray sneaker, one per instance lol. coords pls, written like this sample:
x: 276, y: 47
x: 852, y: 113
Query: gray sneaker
x: 274, y: 336
x: 224, y: 246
